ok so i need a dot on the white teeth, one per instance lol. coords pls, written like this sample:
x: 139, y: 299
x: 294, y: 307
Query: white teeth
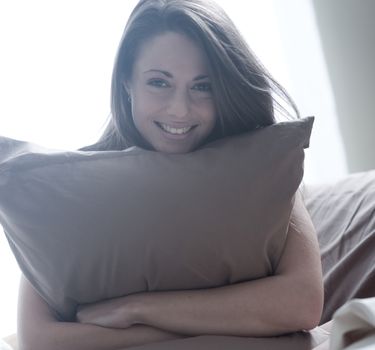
x: 175, y: 131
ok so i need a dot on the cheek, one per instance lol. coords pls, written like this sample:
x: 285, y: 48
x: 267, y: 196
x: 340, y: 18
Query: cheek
x: 209, y: 113
x: 141, y: 112
x: 146, y: 108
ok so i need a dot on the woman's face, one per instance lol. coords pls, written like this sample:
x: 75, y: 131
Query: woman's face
x: 171, y: 97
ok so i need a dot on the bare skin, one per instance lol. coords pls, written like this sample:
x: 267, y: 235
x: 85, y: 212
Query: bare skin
x: 39, y: 329
x: 291, y: 300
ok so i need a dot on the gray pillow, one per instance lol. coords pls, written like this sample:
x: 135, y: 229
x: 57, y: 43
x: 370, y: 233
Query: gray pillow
x: 87, y: 226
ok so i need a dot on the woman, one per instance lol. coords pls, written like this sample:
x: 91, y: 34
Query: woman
x: 184, y: 76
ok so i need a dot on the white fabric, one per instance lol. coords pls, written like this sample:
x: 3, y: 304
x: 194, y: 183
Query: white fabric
x: 4, y: 345
x: 356, y: 315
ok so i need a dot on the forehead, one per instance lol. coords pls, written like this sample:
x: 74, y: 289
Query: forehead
x: 172, y: 52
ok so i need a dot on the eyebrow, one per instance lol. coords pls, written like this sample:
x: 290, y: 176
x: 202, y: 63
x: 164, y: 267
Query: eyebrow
x: 169, y: 75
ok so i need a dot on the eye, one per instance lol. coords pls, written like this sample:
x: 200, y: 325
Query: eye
x: 204, y: 87
x: 158, y: 83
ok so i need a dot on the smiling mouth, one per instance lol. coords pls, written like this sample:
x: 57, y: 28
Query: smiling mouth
x: 173, y: 130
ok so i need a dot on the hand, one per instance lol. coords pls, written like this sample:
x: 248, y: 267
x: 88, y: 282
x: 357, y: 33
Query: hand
x: 111, y: 313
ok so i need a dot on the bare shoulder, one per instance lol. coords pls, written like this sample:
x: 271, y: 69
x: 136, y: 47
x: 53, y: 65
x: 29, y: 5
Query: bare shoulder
x: 301, y: 252
x: 299, y: 213
x: 300, y: 263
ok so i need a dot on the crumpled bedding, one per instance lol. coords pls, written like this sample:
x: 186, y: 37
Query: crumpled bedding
x: 354, y: 326
x: 343, y: 214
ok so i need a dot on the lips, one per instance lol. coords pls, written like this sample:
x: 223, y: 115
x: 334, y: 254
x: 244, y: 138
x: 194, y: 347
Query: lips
x: 173, y: 130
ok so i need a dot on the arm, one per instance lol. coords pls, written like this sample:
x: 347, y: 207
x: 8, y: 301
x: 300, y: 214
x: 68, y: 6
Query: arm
x: 38, y: 329
x: 290, y: 300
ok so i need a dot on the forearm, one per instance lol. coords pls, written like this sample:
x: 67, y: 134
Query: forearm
x: 39, y: 329
x: 76, y: 336
x: 266, y: 307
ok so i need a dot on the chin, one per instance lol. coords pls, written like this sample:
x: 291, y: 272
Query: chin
x: 175, y: 149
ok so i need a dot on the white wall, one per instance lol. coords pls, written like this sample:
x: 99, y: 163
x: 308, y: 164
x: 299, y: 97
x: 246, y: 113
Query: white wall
x: 347, y: 30
x: 55, y: 66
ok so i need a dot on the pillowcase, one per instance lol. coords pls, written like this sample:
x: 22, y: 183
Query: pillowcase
x: 88, y: 226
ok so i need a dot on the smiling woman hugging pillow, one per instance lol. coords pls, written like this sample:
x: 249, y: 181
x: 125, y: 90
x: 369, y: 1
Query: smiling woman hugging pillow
x: 184, y: 219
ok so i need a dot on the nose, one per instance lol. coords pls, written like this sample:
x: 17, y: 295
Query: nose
x: 179, y: 104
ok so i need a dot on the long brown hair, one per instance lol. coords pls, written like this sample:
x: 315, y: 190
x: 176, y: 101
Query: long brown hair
x: 245, y: 94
